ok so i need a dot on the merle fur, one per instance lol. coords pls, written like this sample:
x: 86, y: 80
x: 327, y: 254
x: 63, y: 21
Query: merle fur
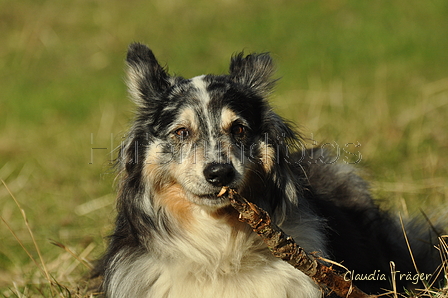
x: 358, y: 234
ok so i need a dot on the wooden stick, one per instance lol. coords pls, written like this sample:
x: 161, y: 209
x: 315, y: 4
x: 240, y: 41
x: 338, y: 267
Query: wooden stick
x: 282, y: 246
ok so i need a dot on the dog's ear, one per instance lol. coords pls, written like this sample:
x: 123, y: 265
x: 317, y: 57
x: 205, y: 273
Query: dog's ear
x: 146, y: 78
x: 253, y: 71
x: 278, y: 128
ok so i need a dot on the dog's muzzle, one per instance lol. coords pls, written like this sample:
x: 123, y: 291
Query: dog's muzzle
x: 219, y: 174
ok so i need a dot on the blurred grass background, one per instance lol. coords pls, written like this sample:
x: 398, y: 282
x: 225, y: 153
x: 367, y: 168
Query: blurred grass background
x: 373, y: 73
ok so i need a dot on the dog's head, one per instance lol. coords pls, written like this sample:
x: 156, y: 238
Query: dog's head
x: 193, y: 136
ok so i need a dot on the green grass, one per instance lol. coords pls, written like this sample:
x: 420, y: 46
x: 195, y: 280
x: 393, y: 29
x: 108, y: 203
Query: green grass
x: 373, y: 72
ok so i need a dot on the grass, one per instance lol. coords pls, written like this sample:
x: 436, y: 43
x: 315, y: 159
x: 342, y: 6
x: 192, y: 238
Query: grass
x: 353, y: 72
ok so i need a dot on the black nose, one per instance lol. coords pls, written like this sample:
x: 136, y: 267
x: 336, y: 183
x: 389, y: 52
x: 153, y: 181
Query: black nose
x: 219, y: 174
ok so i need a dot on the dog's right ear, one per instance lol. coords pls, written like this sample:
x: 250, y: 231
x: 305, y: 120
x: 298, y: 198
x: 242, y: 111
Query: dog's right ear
x: 147, y: 80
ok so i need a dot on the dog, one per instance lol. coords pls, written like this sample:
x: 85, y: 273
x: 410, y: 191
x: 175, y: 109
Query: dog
x: 175, y: 237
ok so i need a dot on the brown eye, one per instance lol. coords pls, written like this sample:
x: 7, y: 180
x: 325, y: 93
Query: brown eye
x: 182, y: 132
x: 238, y: 130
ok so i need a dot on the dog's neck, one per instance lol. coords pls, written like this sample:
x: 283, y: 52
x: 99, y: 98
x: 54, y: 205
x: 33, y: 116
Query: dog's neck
x: 213, y: 240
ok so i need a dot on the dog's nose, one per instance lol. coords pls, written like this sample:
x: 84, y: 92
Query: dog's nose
x: 219, y: 174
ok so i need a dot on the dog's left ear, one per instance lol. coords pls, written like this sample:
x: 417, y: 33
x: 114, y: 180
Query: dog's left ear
x: 253, y: 71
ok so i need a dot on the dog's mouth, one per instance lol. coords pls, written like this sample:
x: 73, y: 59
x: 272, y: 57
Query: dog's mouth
x: 211, y: 196
x: 214, y: 199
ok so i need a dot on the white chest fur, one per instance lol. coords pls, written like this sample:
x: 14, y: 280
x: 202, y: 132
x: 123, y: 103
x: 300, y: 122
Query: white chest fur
x: 211, y: 260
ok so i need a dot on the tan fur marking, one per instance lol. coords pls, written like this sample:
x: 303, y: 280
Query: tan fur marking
x: 188, y: 118
x: 169, y: 194
x: 173, y: 199
x: 227, y: 118
x: 267, y: 156
x: 153, y: 172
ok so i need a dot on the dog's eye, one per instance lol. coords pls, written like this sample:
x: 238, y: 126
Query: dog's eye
x: 238, y: 130
x: 182, y: 132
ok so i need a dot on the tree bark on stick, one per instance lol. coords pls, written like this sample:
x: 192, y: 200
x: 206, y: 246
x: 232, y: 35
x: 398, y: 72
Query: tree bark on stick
x: 284, y: 247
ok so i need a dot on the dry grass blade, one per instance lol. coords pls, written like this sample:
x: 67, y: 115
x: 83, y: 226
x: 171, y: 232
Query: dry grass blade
x: 410, y: 251
x: 44, y: 269
x: 23, y: 246
x: 444, y: 258
x: 394, y: 282
x: 58, y: 244
x: 441, y: 292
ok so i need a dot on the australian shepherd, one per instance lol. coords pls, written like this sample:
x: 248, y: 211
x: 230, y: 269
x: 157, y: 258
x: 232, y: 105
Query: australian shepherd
x: 174, y: 237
